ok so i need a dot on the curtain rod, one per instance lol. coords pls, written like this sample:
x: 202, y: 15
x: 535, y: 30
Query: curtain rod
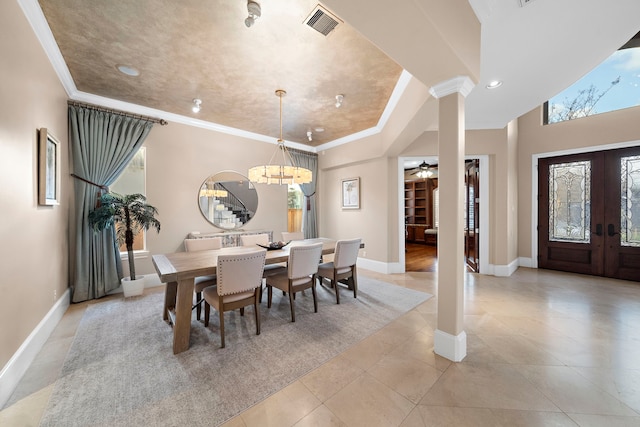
x: 162, y: 122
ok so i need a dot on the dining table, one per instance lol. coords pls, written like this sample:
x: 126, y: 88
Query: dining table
x: 179, y: 269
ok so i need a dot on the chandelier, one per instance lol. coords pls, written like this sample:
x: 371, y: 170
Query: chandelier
x: 424, y: 174
x: 210, y: 192
x: 284, y: 173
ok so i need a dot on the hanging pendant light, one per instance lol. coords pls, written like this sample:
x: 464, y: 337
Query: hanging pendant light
x: 286, y: 172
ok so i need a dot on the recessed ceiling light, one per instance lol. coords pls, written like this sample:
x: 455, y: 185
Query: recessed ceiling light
x: 196, y: 105
x: 494, y: 84
x: 129, y: 71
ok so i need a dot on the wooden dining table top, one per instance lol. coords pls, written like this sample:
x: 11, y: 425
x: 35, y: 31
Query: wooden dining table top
x: 177, y: 266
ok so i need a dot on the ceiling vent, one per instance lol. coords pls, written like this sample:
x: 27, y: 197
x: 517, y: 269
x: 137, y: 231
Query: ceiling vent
x: 523, y: 3
x: 321, y: 20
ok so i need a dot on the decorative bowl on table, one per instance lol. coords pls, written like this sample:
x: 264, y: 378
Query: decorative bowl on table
x: 272, y: 246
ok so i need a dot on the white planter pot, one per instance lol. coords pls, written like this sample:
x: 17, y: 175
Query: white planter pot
x: 133, y: 288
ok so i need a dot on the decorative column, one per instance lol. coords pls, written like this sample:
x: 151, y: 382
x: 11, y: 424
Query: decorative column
x: 450, y: 340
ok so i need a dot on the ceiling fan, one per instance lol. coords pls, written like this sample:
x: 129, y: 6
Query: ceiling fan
x: 424, y: 170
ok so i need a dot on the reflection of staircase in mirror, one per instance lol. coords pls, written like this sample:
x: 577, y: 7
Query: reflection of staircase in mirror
x: 225, y: 217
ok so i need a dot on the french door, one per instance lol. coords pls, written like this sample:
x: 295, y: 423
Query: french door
x: 589, y: 213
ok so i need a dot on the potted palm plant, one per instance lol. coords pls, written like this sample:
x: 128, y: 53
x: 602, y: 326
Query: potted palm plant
x: 130, y: 214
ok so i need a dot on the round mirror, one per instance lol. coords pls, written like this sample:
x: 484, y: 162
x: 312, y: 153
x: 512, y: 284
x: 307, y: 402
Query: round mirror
x: 228, y: 200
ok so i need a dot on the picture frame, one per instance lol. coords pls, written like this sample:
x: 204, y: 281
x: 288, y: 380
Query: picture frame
x: 351, y: 193
x: 49, y: 175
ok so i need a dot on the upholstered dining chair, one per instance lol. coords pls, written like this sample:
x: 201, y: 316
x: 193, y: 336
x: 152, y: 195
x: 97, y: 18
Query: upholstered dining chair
x: 343, y: 266
x: 288, y: 236
x: 239, y: 281
x: 252, y: 240
x: 201, y: 282
x: 300, y: 274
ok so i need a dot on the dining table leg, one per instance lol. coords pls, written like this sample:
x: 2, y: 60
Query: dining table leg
x: 169, y: 300
x: 182, y: 325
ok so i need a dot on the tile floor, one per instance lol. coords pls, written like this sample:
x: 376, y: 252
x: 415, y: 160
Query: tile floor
x: 544, y: 349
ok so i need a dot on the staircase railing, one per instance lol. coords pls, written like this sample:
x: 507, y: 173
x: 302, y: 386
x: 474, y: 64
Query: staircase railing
x: 234, y: 204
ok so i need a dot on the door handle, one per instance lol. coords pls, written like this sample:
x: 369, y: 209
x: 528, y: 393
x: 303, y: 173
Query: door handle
x: 598, y: 230
x: 611, y: 230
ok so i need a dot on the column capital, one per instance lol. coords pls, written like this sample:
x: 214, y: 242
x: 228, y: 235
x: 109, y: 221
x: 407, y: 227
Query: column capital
x: 460, y: 84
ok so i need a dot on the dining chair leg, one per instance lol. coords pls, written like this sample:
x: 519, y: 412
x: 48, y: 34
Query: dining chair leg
x: 221, y: 326
x: 207, y: 309
x: 334, y: 284
x: 256, y: 309
x: 241, y: 311
x: 354, y: 279
x: 293, y: 311
x: 313, y: 292
x: 198, y: 304
x: 269, y: 294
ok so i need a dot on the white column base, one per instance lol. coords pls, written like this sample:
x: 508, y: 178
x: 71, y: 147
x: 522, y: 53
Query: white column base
x: 449, y: 346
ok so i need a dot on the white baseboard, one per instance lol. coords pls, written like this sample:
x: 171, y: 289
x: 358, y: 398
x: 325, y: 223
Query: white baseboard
x: 526, y: 262
x: 380, y: 267
x: 506, y: 270
x: 19, y: 363
x: 395, y: 267
x: 449, y: 346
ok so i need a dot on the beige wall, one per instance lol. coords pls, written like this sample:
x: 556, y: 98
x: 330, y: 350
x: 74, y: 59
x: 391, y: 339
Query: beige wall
x: 370, y: 222
x: 594, y: 132
x: 34, y: 252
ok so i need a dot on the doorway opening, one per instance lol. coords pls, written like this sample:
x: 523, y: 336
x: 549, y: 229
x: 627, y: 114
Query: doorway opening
x: 420, y: 213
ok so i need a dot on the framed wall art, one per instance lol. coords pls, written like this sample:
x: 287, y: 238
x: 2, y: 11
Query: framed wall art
x: 48, y: 169
x: 351, y: 193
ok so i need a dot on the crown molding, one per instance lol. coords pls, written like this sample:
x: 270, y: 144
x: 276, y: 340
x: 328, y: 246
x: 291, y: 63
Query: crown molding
x: 38, y: 22
x: 461, y: 84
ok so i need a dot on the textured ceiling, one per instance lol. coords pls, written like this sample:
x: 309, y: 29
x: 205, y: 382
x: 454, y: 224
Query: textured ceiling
x: 202, y: 49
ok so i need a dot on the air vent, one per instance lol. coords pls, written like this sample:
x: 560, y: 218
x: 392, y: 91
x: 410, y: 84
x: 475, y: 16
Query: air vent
x: 321, y: 20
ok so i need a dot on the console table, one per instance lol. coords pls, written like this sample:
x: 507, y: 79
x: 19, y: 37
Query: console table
x: 229, y: 238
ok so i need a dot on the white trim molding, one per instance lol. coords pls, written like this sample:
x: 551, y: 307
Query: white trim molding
x: 485, y: 228
x: 379, y: 266
x: 526, y: 262
x: 460, y: 84
x: 449, y: 346
x: 506, y: 270
x: 21, y: 360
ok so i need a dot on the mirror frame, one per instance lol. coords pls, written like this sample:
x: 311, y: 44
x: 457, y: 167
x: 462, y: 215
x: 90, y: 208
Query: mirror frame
x: 212, y: 188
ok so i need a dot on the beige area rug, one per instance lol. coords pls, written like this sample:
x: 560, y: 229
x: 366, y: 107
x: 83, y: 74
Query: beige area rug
x: 121, y: 371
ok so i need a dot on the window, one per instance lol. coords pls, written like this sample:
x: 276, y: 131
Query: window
x: 295, y: 199
x: 630, y: 211
x: 612, y: 85
x: 570, y: 202
x: 132, y: 181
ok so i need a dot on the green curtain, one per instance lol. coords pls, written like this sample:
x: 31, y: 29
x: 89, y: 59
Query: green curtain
x: 102, y: 144
x: 309, y: 215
